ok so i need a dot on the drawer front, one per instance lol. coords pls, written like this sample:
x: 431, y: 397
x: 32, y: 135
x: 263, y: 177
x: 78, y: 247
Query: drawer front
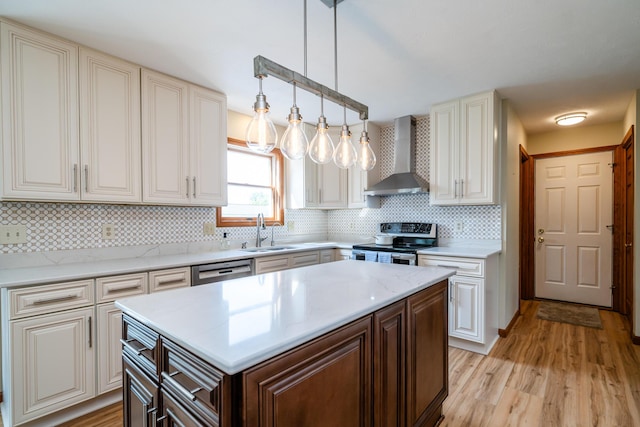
x: 162, y: 280
x: 50, y: 298
x: 266, y: 265
x: 114, y: 287
x: 306, y: 258
x: 195, y: 383
x: 141, y: 345
x: 473, y: 267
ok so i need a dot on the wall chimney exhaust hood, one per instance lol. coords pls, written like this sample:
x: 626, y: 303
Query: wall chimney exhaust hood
x: 404, y: 179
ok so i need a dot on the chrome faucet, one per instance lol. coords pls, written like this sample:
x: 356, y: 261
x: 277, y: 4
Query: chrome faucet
x: 260, y: 225
x: 273, y: 225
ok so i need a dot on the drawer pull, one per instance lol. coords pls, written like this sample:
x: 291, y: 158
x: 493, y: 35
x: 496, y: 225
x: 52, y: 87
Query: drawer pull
x: 168, y: 378
x: 169, y: 282
x: 449, y: 266
x: 128, y: 343
x: 54, y: 299
x: 123, y: 288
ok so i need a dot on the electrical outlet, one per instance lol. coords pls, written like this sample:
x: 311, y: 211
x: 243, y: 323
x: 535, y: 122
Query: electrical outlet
x: 209, y: 228
x: 459, y: 226
x: 291, y: 225
x: 108, y: 231
x: 13, y: 234
x: 352, y: 226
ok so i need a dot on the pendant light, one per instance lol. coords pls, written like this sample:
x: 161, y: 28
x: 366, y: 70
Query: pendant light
x: 321, y: 149
x: 262, y: 136
x: 345, y: 155
x: 294, y: 143
x: 366, y: 157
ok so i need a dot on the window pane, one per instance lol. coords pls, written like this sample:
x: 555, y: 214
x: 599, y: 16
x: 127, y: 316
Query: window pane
x: 245, y: 168
x: 248, y: 202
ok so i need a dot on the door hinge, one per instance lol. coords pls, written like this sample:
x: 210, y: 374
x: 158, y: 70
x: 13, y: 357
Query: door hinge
x: 612, y: 165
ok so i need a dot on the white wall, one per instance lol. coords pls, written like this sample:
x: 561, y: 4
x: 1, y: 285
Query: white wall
x: 583, y: 136
x: 513, y: 135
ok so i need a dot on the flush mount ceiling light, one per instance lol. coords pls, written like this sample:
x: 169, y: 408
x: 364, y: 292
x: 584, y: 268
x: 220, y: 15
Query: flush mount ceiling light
x: 570, y: 119
x: 262, y: 137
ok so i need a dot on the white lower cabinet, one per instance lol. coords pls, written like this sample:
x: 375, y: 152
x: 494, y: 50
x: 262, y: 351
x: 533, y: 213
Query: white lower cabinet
x: 327, y: 255
x: 286, y: 261
x: 342, y: 254
x: 109, y: 325
x: 49, y: 363
x: 473, y: 322
x: 53, y: 363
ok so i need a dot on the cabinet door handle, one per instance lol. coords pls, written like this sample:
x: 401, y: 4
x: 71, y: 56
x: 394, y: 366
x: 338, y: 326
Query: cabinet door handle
x: 86, y: 178
x: 90, y: 334
x: 187, y: 193
x: 320, y: 195
x: 455, y: 189
x: 54, y: 299
x: 75, y: 177
x: 461, y: 188
x: 450, y: 291
x: 194, y: 187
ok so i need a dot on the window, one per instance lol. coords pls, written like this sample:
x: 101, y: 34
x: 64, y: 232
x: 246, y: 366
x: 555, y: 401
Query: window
x: 254, y: 185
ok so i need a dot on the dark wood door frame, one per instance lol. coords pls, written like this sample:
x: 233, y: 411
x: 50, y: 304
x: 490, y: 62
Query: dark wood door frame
x: 526, y: 267
x: 527, y: 213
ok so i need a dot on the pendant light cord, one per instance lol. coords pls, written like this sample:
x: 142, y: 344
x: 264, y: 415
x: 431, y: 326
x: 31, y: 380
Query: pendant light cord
x: 305, y: 38
x: 335, y: 41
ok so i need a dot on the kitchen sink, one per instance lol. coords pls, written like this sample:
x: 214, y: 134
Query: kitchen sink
x: 268, y: 249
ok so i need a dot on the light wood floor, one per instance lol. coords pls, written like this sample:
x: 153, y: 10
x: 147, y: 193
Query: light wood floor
x: 543, y: 374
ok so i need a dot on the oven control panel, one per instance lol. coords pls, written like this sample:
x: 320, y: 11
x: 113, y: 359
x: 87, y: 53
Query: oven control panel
x: 410, y: 228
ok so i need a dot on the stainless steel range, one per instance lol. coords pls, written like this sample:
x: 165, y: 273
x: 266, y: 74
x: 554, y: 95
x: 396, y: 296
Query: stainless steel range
x: 408, y: 239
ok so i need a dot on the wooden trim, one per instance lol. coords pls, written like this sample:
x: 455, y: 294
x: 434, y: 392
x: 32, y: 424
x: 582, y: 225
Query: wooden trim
x: 504, y: 332
x: 635, y: 339
x: 527, y: 227
x: 574, y: 152
x: 278, y: 191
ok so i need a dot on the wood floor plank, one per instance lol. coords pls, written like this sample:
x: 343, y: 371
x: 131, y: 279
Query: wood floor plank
x: 517, y: 409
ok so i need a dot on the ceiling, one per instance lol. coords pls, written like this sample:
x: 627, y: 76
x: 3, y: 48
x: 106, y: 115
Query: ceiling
x: 547, y: 57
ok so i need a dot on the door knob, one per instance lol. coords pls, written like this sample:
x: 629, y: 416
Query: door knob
x: 540, y: 230
x: 540, y: 239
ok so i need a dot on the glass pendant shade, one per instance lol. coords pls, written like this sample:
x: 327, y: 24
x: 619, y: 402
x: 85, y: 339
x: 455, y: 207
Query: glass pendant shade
x: 261, y: 136
x: 345, y: 155
x: 321, y: 149
x: 366, y: 157
x: 294, y: 143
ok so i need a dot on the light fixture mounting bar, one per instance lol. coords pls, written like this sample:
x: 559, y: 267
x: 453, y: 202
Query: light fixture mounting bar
x: 329, y: 3
x: 263, y: 67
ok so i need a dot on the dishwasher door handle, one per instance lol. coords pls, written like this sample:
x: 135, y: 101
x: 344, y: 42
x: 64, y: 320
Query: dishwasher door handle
x: 223, y: 272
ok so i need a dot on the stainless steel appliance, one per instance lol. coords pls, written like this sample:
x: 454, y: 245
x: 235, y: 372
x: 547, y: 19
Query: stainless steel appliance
x: 408, y: 239
x: 218, y: 271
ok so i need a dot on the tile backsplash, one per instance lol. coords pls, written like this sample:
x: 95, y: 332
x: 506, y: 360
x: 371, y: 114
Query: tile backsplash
x: 66, y: 226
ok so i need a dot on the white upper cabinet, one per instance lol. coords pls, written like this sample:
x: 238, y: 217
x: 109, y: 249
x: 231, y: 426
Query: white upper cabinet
x: 165, y: 139
x: 359, y: 180
x: 184, y: 149
x: 464, y: 144
x: 39, y: 115
x: 74, y: 128
x: 208, y: 141
x: 109, y: 128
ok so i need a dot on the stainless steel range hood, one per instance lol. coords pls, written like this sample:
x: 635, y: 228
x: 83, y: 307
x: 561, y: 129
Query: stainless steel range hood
x: 404, y: 179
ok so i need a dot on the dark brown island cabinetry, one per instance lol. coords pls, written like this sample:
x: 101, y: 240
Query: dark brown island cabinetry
x: 388, y: 368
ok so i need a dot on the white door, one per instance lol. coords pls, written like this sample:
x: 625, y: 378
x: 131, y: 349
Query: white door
x: 573, y: 207
x: 466, y: 308
x: 109, y: 347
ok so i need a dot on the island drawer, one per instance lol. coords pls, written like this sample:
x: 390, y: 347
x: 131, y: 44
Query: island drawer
x: 141, y: 345
x: 114, y: 287
x: 44, y: 299
x: 194, y: 383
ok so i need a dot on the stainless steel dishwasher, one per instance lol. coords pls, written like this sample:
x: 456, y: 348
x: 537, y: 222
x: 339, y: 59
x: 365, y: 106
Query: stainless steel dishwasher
x: 219, y: 271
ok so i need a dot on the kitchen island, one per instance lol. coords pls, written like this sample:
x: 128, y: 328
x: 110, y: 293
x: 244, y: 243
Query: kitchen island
x: 344, y: 343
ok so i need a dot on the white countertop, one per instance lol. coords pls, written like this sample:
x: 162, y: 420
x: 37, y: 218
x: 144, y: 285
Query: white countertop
x: 239, y: 323
x: 12, y: 277
x: 462, y: 251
